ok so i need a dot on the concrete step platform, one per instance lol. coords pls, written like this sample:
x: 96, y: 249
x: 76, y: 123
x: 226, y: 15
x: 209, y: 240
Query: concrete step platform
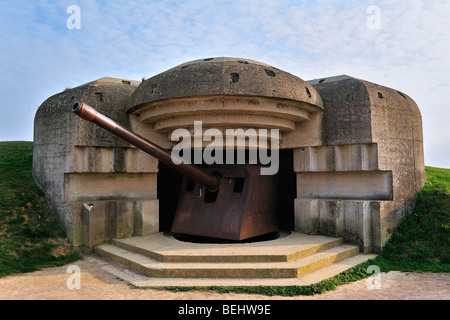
x: 288, y: 247
x: 140, y: 281
x: 293, y: 259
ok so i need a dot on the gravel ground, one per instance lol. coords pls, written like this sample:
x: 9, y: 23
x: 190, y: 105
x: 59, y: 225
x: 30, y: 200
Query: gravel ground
x: 97, y: 284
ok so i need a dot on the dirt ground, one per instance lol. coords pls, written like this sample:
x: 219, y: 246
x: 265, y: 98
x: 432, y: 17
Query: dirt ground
x: 98, y: 284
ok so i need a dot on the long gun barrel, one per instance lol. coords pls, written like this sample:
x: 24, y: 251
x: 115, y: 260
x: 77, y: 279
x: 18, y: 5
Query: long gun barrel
x: 189, y: 170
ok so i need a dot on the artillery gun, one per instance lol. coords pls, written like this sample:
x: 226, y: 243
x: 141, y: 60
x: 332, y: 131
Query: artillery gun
x: 231, y: 202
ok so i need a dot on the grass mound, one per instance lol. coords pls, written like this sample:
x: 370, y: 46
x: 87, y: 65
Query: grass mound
x: 422, y: 241
x: 30, y: 237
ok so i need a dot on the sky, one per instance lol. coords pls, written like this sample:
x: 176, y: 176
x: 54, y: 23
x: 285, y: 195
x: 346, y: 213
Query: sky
x: 47, y: 46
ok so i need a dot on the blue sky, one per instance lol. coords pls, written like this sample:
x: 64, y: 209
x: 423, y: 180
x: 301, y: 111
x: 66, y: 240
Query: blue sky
x: 410, y: 51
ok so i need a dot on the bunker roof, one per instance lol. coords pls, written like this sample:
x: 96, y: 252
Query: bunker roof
x: 224, y: 77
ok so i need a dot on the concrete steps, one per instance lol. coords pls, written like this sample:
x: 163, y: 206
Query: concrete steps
x: 290, y: 259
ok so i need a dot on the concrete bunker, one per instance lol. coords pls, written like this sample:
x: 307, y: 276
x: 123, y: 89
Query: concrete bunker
x: 351, y: 152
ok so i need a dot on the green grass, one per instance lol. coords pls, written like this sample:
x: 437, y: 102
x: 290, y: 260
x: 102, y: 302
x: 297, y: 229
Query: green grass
x: 30, y: 237
x: 422, y: 241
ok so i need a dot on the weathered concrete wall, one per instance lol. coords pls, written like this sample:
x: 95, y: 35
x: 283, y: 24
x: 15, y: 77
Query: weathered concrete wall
x: 365, y: 177
x: 98, y: 186
x: 397, y: 130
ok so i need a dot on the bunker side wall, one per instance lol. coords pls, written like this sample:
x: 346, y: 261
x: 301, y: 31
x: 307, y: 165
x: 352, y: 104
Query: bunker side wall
x: 365, y: 177
x: 98, y: 186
